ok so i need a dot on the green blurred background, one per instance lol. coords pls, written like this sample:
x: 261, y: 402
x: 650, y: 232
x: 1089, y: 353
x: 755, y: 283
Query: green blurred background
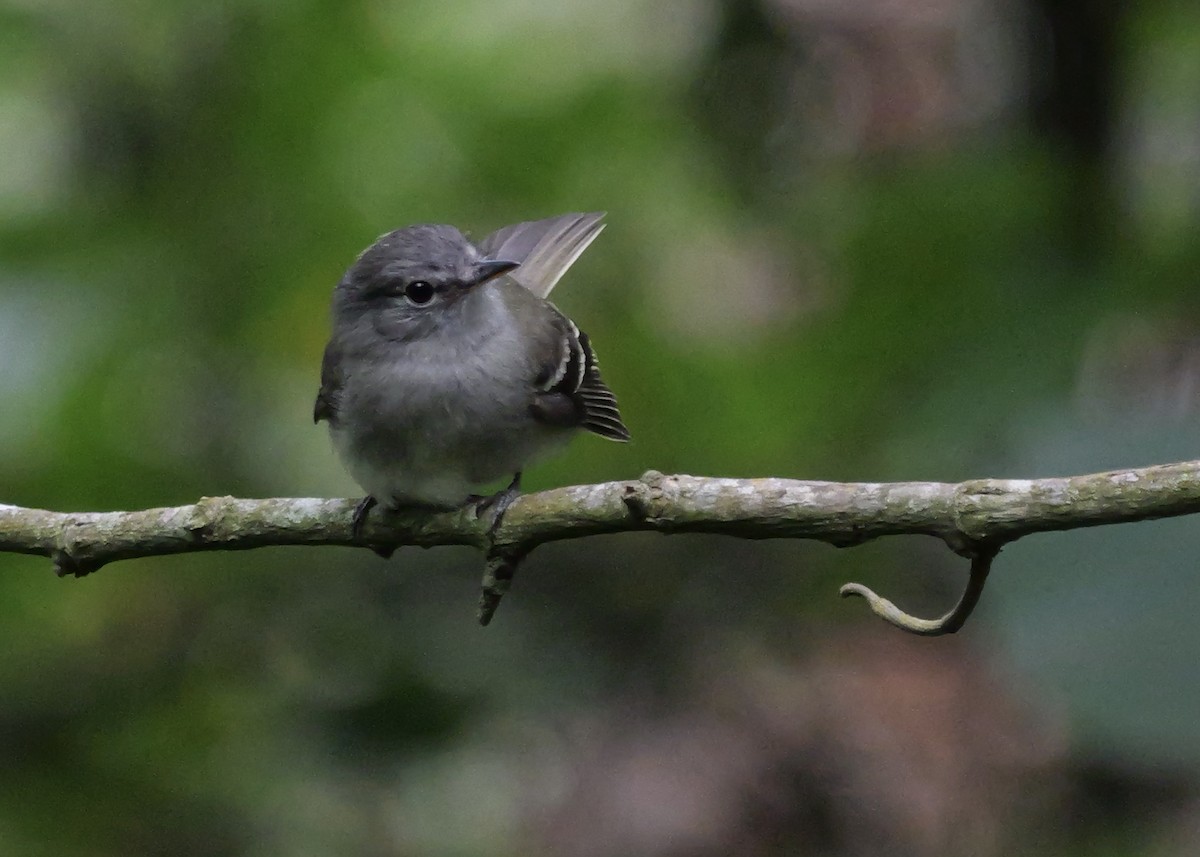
x: 934, y: 239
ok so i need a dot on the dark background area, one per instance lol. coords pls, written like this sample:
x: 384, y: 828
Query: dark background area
x: 930, y: 240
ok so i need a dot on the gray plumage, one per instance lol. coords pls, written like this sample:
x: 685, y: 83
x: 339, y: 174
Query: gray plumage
x: 545, y: 248
x: 447, y: 368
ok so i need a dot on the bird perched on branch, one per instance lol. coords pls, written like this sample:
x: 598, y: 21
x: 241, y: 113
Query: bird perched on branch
x: 448, y: 368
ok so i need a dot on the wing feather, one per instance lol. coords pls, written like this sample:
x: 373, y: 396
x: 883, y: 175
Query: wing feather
x: 326, y: 405
x: 575, y: 394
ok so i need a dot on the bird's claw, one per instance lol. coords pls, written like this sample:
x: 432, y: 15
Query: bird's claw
x: 365, y: 505
x: 495, y: 505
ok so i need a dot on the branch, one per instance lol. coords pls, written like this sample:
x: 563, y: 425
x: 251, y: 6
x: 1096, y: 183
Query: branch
x: 975, y: 519
x: 981, y: 564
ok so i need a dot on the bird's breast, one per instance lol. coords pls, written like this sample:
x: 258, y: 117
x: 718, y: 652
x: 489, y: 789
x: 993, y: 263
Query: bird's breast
x: 426, y: 421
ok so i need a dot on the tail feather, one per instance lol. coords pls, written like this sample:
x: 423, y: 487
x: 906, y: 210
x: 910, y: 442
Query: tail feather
x: 545, y: 249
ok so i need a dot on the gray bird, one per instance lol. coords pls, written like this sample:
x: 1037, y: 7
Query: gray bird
x: 448, y: 369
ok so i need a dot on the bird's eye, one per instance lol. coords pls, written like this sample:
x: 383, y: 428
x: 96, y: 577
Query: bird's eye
x: 419, y: 292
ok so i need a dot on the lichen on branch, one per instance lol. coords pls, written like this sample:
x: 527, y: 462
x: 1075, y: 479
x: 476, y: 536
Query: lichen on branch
x: 974, y: 518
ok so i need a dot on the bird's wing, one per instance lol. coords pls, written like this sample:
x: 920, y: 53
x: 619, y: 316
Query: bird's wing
x: 545, y: 249
x: 570, y: 391
x: 325, y: 408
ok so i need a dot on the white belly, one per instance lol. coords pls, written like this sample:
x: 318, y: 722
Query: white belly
x: 409, y: 440
x: 432, y: 420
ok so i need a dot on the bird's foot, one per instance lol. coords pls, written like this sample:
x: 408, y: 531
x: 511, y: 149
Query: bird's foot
x: 495, y: 505
x: 502, y: 561
x: 365, y: 505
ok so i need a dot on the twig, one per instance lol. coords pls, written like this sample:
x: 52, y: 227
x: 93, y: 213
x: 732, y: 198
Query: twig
x: 972, y: 517
x: 981, y: 564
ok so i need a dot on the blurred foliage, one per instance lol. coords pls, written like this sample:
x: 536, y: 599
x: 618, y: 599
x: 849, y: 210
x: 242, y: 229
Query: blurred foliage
x: 843, y: 244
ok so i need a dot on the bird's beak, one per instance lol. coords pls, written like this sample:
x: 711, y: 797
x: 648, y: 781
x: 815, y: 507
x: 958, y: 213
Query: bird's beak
x: 489, y: 269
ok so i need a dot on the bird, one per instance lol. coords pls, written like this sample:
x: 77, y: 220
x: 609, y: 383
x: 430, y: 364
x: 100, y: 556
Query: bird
x: 448, y: 368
